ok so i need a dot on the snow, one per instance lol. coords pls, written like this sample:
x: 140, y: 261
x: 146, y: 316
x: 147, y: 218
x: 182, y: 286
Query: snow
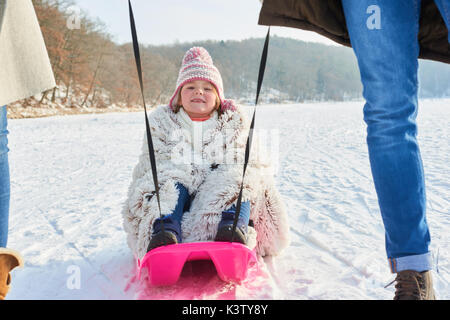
x: 70, y: 176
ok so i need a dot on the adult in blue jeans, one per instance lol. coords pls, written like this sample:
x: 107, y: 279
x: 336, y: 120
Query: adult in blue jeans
x: 25, y: 71
x: 384, y: 35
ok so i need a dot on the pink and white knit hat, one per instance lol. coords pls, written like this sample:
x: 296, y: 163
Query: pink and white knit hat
x: 197, y: 64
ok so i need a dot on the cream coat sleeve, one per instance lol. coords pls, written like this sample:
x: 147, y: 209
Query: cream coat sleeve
x: 24, y: 62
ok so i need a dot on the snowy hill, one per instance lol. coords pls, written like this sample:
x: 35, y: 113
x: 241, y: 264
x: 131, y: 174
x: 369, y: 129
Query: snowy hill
x: 70, y: 177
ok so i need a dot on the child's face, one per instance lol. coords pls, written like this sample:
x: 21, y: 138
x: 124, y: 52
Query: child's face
x: 198, y: 98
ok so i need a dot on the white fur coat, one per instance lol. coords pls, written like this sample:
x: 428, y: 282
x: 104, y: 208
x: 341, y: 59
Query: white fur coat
x: 213, y: 175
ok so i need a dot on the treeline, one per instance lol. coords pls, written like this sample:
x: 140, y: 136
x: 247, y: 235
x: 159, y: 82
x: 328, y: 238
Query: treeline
x: 92, y: 70
x: 89, y: 68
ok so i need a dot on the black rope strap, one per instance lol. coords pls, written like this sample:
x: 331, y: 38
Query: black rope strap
x: 262, y: 68
x: 151, y: 150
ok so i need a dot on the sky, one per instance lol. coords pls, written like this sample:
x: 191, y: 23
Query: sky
x: 168, y: 21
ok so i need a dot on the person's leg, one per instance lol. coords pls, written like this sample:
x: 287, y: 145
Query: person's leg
x: 387, y: 51
x: 184, y: 202
x: 444, y: 8
x: 4, y: 179
x: 167, y: 230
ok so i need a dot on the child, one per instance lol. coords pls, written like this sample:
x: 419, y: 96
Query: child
x: 199, y: 141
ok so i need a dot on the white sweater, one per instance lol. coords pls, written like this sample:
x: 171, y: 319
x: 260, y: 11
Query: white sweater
x: 197, y: 129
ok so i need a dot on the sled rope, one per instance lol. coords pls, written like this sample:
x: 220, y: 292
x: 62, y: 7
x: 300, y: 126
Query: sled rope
x: 262, y: 68
x: 151, y: 150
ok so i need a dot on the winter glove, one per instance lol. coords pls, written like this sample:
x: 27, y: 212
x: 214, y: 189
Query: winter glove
x: 9, y: 259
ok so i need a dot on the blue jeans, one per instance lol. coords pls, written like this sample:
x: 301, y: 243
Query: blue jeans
x: 184, y: 202
x: 4, y: 179
x: 388, y: 61
x: 444, y: 9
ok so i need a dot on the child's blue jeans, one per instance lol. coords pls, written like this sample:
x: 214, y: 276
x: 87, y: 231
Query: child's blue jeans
x: 184, y: 203
x: 4, y: 179
x: 387, y: 51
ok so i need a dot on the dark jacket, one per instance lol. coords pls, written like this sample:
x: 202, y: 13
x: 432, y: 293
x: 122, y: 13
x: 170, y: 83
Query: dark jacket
x: 326, y: 17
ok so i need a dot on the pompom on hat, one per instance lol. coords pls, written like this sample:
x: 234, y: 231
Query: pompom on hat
x: 197, y: 64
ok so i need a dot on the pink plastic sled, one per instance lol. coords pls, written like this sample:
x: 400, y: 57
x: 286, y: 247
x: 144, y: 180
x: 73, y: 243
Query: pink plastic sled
x: 164, y: 264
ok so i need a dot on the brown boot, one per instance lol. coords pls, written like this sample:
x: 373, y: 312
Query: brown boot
x: 9, y: 259
x: 413, y: 285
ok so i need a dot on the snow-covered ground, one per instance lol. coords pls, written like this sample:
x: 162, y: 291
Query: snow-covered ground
x: 70, y: 177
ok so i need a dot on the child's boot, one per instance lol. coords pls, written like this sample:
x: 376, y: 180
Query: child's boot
x: 225, y: 229
x: 170, y: 233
